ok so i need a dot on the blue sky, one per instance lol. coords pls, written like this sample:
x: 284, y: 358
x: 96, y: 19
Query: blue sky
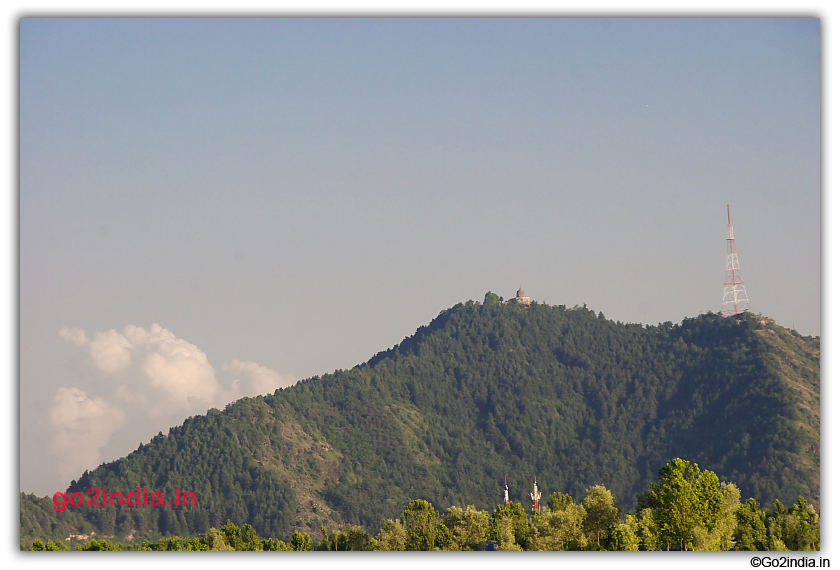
x: 296, y: 195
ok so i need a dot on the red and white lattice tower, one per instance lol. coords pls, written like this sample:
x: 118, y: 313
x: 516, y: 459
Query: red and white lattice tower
x: 734, y: 293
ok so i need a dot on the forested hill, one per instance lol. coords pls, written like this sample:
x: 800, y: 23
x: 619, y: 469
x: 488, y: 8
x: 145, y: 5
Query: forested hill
x: 485, y: 391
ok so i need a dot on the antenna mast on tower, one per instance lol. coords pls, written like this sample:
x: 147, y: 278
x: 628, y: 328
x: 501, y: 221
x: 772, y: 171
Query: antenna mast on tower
x: 734, y: 292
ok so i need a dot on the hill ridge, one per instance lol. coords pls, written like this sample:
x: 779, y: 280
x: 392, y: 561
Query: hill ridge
x: 482, y: 392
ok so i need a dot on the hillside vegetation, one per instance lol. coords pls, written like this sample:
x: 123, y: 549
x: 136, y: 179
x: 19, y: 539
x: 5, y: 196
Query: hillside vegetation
x: 485, y: 391
x: 687, y: 509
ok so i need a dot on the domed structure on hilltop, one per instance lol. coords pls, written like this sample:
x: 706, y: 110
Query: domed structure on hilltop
x: 521, y: 298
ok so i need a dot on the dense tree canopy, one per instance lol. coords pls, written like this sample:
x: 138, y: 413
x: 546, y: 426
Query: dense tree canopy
x: 683, y: 496
x: 486, y: 390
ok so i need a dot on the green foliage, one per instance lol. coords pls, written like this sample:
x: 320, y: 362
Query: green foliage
x: 274, y: 545
x: 647, y: 530
x: 214, y: 456
x: 217, y: 541
x: 559, y: 501
x: 601, y: 515
x: 505, y: 534
x: 751, y: 527
x: 491, y: 298
x: 38, y: 544
x: 625, y: 535
x: 422, y: 523
x: 229, y: 537
x: 797, y: 527
x: 393, y: 536
x: 175, y: 543
x: 713, y: 512
x: 301, y: 541
x: 38, y: 519
x: 685, y: 499
x: 512, y: 517
x: 718, y: 533
x: 469, y: 528
x: 347, y: 538
x: 483, y: 391
x: 94, y: 544
x: 244, y: 538
x: 559, y: 529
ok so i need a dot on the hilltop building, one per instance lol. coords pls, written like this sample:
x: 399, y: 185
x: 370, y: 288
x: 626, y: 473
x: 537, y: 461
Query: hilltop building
x: 520, y: 299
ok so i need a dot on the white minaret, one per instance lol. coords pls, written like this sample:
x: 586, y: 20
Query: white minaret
x: 507, y: 497
x: 535, y: 495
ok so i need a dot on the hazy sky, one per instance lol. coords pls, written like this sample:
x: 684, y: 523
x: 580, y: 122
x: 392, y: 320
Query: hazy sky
x: 211, y: 208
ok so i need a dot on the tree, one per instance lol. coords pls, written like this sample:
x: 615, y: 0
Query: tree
x: 57, y: 545
x: 95, y: 544
x: 518, y: 521
x: 421, y: 521
x: 358, y: 539
x: 559, y: 501
x: 625, y: 534
x: 301, y: 541
x: 233, y: 535
x: 274, y: 545
x: 807, y: 525
x: 647, y: 530
x: 718, y: 533
x: 216, y: 540
x: 797, y: 528
x: 393, y: 536
x: 601, y: 514
x: 491, y: 298
x: 685, y: 498
x: 560, y: 529
x: 727, y: 520
x: 751, y: 527
x: 469, y: 527
x: 349, y: 537
x: 506, y: 535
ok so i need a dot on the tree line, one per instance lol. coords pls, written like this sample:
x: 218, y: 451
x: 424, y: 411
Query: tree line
x: 686, y: 509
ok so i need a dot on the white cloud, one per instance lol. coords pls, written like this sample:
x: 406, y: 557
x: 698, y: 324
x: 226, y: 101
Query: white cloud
x: 253, y: 379
x: 169, y: 374
x: 81, y: 426
x: 158, y: 379
x: 76, y: 336
x: 110, y: 351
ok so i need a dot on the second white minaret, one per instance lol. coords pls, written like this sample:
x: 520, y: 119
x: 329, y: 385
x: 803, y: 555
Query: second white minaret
x: 535, y: 495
